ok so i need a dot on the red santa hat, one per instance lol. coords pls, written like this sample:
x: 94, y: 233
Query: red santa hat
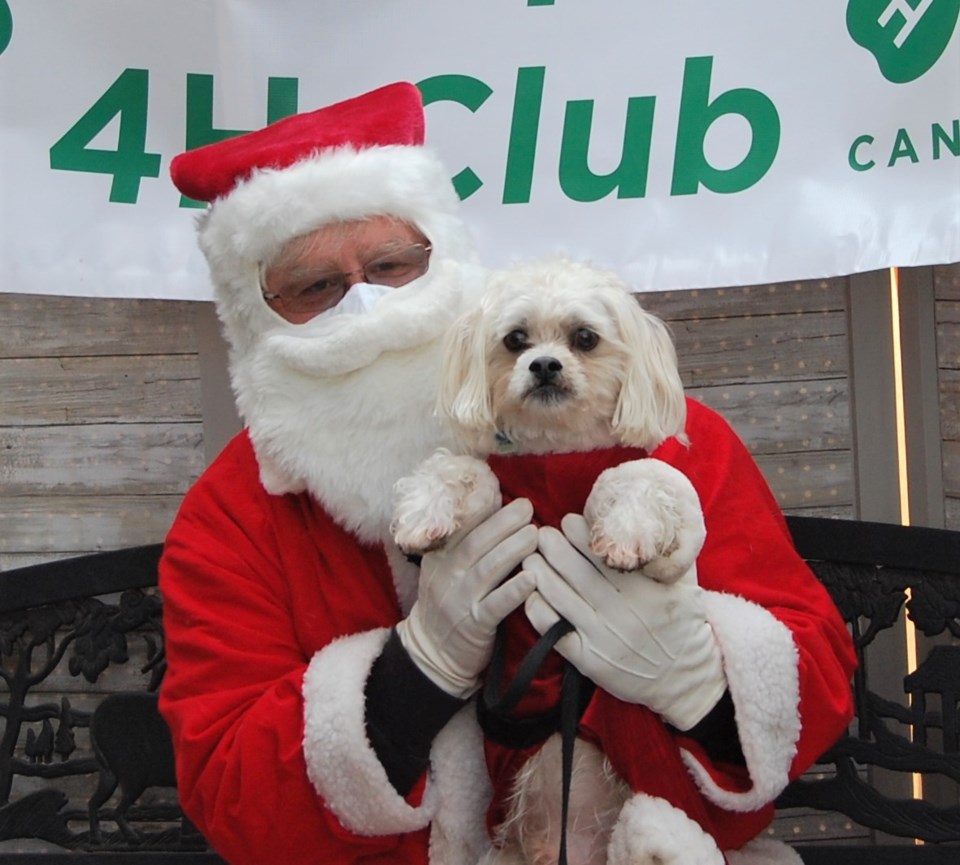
x: 389, y: 115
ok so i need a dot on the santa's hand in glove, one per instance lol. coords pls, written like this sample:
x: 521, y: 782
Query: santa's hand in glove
x: 462, y: 597
x: 640, y: 640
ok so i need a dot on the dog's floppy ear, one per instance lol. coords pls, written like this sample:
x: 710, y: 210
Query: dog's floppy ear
x: 464, y: 394
x: 651, y: 407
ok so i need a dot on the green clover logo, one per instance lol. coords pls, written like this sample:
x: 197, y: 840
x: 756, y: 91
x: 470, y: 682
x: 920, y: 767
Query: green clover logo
x: 6, y: 25
x: 905, y: 36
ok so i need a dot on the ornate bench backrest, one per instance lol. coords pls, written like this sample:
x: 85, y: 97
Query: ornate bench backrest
x: 81, y: 658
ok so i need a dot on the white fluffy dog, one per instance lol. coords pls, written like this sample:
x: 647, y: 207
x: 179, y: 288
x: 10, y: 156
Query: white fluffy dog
x: 560, y: 357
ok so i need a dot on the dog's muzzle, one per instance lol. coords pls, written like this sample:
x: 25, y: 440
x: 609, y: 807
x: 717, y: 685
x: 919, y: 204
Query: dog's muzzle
x: 547, y: 381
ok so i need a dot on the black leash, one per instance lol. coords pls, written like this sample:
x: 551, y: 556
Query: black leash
x: 575, y: 692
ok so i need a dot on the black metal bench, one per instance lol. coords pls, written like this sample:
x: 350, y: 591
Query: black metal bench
x: 76, y: 752
x: 87, y: 771
x: 878, y: 574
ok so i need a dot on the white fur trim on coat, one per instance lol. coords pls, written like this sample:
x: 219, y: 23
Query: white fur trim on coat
x: 341, y: 763
x: 761, y: 662
x: 651, y: 831
x: 345, y: 771
x: 764, y: 851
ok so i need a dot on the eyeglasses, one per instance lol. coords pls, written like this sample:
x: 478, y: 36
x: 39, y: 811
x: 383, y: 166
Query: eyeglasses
x: 314, y: 291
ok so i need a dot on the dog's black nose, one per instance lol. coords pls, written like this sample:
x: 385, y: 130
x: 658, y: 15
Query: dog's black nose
x: 545, y: 368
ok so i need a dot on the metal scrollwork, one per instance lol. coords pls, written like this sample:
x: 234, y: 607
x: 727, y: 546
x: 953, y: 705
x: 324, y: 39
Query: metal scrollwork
x: 871, y: 599
x: 42, y: 738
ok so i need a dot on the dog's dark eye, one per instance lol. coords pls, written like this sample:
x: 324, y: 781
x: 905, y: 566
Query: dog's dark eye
x: 584, y: 339
x: 516, y: 340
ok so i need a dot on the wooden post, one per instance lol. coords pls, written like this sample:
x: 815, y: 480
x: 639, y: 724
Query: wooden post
x: 220, y: 419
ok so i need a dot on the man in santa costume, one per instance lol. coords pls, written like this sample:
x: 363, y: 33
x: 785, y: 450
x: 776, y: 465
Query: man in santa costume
x: 320, y: 687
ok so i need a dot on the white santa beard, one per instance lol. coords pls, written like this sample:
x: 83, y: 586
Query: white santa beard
x: 346, y: 439
x: 346, y: 407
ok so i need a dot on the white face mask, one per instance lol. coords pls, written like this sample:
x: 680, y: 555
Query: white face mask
x: 361, y: 297
x: 349, y: 320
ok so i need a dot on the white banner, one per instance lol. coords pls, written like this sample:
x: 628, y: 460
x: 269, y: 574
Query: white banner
x: 687, y: 144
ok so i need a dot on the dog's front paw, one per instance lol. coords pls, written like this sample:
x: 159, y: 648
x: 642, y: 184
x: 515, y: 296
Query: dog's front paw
x: 624, y: 554
x: 445, y: 493
x: 645, y: 515
x: 424, y: 533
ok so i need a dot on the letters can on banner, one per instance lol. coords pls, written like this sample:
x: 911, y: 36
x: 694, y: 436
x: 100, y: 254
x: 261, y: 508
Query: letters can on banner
x: 941, y: 141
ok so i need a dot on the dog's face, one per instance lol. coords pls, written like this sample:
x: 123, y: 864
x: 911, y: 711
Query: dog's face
x: 554, y: 367
x: 561, y: 357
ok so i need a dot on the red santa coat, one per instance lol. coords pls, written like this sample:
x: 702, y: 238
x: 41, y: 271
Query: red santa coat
x: 253, y: 586
x: 274, y: 614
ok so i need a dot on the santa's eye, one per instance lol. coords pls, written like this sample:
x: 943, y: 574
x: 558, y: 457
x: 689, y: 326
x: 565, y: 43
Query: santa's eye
x: 516, y: 340
x: 584, y: 339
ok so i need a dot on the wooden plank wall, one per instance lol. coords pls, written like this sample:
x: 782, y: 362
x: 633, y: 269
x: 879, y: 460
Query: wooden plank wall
x: 100, y: 409
x: 946, y: 282
x: 772, y: 359
x: 100, y: 423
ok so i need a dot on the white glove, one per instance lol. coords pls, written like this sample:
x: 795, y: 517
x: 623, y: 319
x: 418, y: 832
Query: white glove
x: 641, y: 641
x: 450, y: 629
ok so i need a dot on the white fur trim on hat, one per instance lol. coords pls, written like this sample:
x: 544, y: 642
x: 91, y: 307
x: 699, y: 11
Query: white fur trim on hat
x: 651, y: 831
x: 341, y: 763
x: 246, y: 228
x: 761, y: 661
x: 265, y: 211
